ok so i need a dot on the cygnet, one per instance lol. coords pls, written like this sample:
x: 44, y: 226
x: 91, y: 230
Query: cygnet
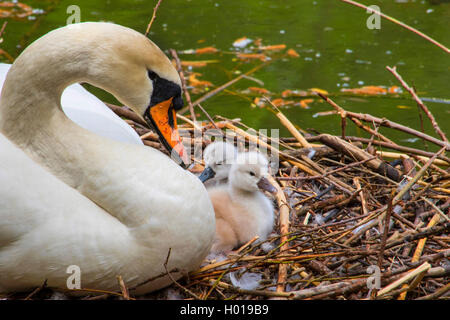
x: 242, y: 211
x: 218, y: 157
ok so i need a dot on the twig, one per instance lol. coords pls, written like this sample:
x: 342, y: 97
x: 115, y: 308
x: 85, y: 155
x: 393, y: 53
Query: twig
x: 284, y: 231
x: 288, y: 124
x: 423, y: 268
x: 183, y: 84
x: 399, y: 23
x: 438, y: 130
x: 153, y: 17
x: 123, y: 288
x: 387, y: 220
x: 176, y: 282
x: 224, y: 86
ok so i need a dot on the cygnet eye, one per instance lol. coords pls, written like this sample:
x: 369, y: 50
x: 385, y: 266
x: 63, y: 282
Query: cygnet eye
x: 252, y: 173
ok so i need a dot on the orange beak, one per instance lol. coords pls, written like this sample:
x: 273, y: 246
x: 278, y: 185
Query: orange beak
x: 164, y: 120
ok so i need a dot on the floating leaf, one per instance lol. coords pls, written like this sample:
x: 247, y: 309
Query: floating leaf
x: 321, y: 91
x: 403, y: 107
x: 304, y: 103
x: 200, y: 63
x: 394, y: 89
x: 273, y: 47
x: 367, y: 90
x: 281, y: 102
x: 242, y: 42
x: 292, y: 53
x: 258, y: 42
x: 293, y: 93
x: 250, y: 56
x: 259, y: 102
x: 193, y: 81
x: 259, y: 90
x: 15, y: 10
x: 206, y: 50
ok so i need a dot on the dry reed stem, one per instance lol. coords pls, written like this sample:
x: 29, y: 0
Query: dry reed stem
x: 425, y: 109
x: 288, y: 124
x: 284, y: 231
x: 153, y: 17
x: 410, y: 275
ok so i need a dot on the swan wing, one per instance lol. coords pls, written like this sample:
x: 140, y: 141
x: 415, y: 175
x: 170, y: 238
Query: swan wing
x: 47, y: 226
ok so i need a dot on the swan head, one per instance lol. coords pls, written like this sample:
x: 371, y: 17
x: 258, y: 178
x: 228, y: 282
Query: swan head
x: 218, y: 157
x: 116, y: 59
x: 250, y: 172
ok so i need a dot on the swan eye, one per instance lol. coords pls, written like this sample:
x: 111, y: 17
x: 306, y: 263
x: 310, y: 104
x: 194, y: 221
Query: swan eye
x: 252, y: 173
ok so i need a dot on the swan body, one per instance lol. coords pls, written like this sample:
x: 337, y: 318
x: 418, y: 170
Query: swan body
x: 242, y: 211
x: 218, y: 157
x: 72, y: 197
x: 89, y: 112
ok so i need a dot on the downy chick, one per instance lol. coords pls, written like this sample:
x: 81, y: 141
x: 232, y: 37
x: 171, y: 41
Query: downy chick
x: 242, y: 211
x: 218, y: 157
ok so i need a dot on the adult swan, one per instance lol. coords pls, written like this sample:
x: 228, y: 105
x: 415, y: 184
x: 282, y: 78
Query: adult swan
x: 69, y: 197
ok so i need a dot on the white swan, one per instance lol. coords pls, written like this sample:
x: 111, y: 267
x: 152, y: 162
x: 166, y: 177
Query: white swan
x: 71, y: 197
x: 242, y: 211
x: 89, y: 112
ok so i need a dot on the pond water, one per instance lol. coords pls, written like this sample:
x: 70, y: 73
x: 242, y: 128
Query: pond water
x: 336, y: 50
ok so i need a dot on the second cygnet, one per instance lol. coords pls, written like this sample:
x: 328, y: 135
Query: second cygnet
x: 242, y: 211
x: 218, y: 157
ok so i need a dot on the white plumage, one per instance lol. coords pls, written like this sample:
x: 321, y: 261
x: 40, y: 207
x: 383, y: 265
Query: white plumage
x: 242, y: 211
x: 72, y: 197
x: 89, y: 112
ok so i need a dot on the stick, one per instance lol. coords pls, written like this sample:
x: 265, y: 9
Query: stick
x: 183, y: 84
x: 394, y: 125
x: 284, y: 231
x: 288, y: 124
x: 423, y: 268
x: 153, y: 17
x: 176, y: 282
x: 354, y: 152
x: 223, y: 87
x: 123, y: 288
x: 438, y: 130
x: 399, y: 23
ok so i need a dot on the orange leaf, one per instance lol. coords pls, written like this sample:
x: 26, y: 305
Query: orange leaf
x: 258, y: 42
x: 273, y: 47
x: 242, y: 42
x: 324, y: 92
x: 193, y: 63
x: 248, y: 56
x: 292, y: 53
x: 193, y: 81
x: 259, y: 102
x: 304, y: 103
x: 281, y: 102
x: 367, y: 90
x: 206, y: 50
x: 259, y: 90
x: 394, y: 89
x: 293, y: 93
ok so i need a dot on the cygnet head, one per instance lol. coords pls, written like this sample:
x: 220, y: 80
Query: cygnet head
x: 250, y: 172
x: 218, y: 157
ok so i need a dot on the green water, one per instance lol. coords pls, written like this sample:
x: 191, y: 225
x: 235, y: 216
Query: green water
x: 335, y: 46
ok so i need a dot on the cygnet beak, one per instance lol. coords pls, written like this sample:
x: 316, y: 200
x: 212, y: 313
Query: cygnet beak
x: 265, y: 185
x: 207, y: 174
